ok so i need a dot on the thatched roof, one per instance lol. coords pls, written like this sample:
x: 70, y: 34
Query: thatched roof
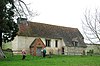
x: 34, y: 29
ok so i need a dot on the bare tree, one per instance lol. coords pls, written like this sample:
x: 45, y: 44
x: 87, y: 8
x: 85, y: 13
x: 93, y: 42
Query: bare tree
x: 91, y: 25
x: 10, y: 10
x: 22, y: 10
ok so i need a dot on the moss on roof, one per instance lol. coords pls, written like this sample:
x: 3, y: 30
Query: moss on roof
x: 34, y: 29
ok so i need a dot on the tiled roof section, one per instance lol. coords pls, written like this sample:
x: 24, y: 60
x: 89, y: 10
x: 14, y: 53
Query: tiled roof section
x: 34, y: 29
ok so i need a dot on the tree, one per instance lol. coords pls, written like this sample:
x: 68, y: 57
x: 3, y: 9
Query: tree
x: 8, y: 11
x: 91, y: 25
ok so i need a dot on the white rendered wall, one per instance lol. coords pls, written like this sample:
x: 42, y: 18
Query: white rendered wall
x: 21, y: 42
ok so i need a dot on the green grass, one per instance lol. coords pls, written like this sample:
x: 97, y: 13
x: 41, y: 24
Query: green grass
x: 54, y: 61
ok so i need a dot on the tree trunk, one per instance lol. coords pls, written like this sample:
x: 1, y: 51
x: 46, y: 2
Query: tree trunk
x: 1, y: 39
x: 2, y: 55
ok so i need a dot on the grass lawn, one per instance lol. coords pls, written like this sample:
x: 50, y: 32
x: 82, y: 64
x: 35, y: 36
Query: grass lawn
x: 54, y: 61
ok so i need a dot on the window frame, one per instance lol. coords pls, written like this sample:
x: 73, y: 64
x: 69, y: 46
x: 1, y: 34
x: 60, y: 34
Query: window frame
x: 48, y: 42
x: 56, y: 43
x: 75, y: 44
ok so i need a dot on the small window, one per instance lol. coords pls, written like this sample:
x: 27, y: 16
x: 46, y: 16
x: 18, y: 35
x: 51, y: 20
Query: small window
x: 56, y: 43
x: 75, y: 43
x: 48, y: 43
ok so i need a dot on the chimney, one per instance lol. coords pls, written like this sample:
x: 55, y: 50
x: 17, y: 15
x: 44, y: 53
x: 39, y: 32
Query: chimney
x: 21, y: 20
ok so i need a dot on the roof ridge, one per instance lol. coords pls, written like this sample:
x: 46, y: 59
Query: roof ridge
x: 53, y: 25
x: 37, y: 29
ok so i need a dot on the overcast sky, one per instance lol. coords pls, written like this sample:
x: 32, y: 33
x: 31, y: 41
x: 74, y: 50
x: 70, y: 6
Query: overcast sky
x: 68, y: 13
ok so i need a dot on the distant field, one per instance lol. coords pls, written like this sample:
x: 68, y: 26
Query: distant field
x: 54, y: 61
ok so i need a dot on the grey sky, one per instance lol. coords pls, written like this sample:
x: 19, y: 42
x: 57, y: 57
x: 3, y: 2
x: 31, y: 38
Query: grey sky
x: 62, y: 12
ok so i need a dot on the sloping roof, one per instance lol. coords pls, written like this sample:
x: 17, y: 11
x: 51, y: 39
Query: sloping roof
x: 34, y: 42
x: 34, y: 29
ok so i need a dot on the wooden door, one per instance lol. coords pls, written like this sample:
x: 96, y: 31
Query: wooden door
x: 38, y: 51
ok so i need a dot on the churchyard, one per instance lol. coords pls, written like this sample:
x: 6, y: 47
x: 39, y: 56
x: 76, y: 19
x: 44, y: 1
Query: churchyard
x: 54, y: 60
